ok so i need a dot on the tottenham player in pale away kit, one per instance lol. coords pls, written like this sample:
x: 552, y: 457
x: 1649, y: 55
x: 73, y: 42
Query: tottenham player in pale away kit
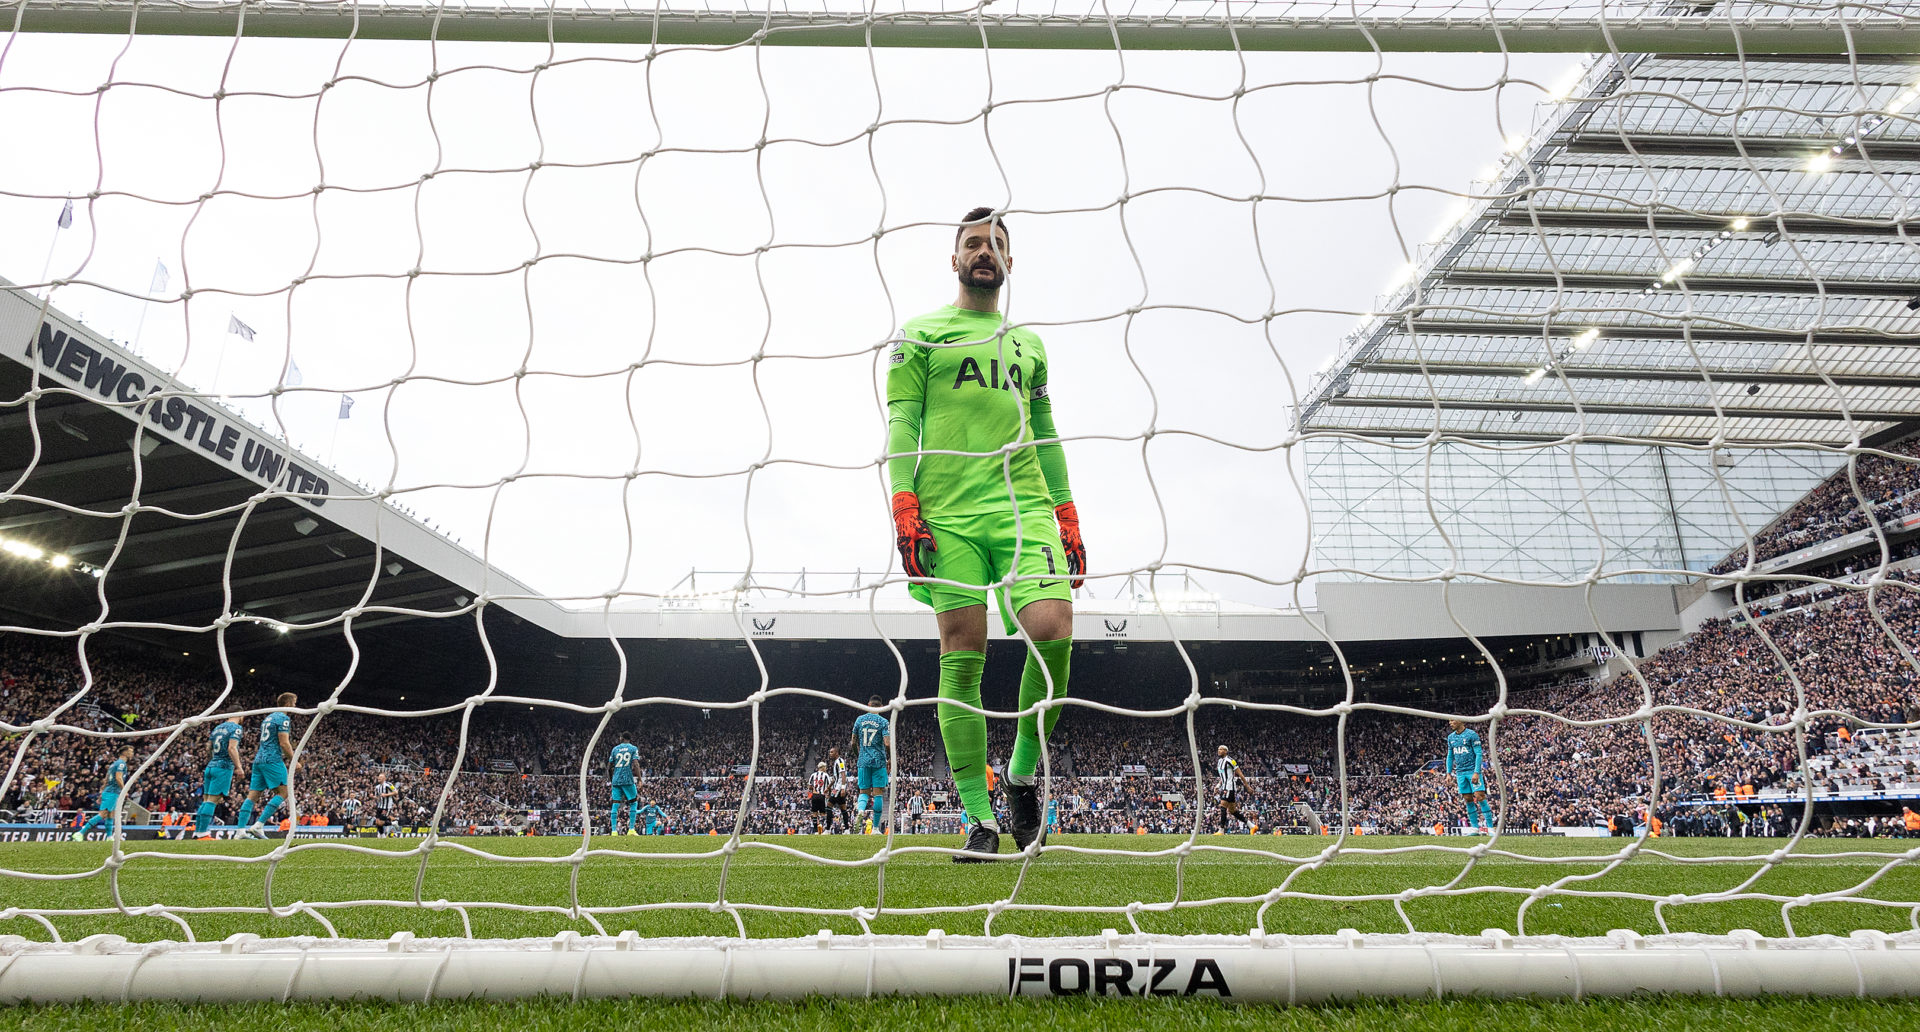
x: 270, y: 769
x: 962, y: 380
x: 871, y: 736
x: 109, y: 793
x: 216, y: 781
x: 623, y: 761
x: 1466, y: 761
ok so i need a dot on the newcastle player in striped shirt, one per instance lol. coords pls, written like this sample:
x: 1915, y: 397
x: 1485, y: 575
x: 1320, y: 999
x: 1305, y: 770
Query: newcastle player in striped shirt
x: 1227, y: 772
x: 817, y: 786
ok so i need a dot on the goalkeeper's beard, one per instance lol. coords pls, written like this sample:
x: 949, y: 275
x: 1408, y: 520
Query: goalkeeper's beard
x: 968, y: 280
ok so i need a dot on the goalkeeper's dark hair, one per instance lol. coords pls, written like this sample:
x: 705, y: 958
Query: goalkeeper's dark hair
x: 977, y: 216
x: 876, y: 702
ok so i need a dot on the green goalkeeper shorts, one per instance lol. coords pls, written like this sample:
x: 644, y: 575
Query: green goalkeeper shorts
x: 979, y: 550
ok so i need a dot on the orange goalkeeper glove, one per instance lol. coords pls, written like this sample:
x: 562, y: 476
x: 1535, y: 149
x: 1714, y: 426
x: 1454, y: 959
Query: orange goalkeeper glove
x: 1069, y: 519
x: 911, y: 533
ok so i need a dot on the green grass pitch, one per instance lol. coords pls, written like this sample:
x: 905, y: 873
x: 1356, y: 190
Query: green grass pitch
x: 189, y: 874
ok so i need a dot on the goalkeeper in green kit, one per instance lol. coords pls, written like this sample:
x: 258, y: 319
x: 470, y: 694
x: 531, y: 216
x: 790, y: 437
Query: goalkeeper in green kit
x: 962, y: 381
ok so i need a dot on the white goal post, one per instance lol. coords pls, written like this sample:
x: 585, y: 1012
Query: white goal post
x: 1257, y: 966
x: 1316, y: 25
x: 1246, y: 969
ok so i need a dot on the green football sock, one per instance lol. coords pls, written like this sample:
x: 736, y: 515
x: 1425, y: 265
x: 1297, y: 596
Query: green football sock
x: 963, y: 732
x: 1055, y: 655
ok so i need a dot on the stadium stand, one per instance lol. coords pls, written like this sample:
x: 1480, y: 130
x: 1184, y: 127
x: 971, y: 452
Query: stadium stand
x: 1830, y: 510
x: 1111, y: 771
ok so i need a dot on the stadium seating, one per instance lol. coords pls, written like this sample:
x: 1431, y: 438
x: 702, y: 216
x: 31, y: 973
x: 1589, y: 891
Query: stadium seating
x: 1112, y: 770
x: 1830, y: 510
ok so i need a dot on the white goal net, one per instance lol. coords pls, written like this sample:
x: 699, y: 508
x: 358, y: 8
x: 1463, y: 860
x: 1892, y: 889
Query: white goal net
x: 1495, y: 427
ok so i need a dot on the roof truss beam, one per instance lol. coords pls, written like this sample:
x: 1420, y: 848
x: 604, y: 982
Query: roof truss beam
x: 1624, y: 281
x: 1719, y: 376
x: 1523, y: 217
x: 1608, y: 142
x: 170, y: 598
x: 403, y: 580
x: 224, y: 526
x: 1603, y: 408
x: 115, y: 459
x: 1433, y: 323
x: 158, y: 499
x: 44, y: 412
x: 239, y: 555
x: 444, y: 591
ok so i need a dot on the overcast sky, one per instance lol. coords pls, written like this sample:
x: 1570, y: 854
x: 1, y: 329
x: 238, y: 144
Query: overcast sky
x: 817, y: 306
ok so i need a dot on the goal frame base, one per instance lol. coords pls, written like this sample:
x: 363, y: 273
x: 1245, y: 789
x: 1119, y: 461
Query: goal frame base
x: 1255, y: 968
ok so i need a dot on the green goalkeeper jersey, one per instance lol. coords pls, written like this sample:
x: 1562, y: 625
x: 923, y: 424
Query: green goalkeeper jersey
x: 956, y: 383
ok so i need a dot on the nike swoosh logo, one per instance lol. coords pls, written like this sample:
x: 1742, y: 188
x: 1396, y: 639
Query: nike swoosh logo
x: 1048, y: 583
x: 957, y: 771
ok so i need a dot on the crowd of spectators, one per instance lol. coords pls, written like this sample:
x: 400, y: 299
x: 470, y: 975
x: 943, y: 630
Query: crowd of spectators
x: 1765, y: 598
x: 522, y: 767
x: 1830, y: 510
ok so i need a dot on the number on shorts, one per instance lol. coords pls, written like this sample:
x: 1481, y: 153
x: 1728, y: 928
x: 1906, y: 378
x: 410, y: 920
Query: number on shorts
x: 1047, y: 550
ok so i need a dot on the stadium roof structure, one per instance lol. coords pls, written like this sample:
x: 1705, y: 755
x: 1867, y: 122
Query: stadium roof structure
x: 1691, y: 248
x: 208, y: 521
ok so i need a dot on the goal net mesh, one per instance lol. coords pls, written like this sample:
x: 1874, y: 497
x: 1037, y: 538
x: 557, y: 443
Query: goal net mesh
x: 491, y: 323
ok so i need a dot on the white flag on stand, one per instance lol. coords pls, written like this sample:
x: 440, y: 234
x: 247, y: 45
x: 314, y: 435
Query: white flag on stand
x: 234, y: 325
x: 346, y: 405
x: 294, y: 379
x: 160, y: 278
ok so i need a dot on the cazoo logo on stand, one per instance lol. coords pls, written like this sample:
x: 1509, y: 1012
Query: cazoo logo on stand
x: 763, y: 628
x: 1116, y: 628
x: 1114, y: 976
